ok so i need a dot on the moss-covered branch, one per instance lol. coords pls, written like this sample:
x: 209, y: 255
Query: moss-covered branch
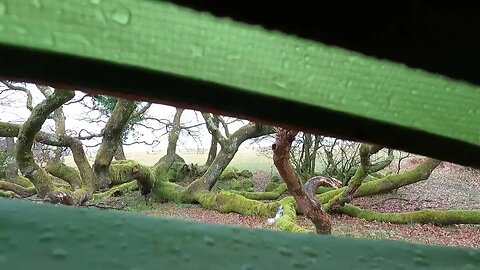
x: 116, y: 190
x: 437, y: 217
x: 26, y: 136
x: 225, y: 155
x: 388, y: 183
x: 288, y: 221
x: 309, y: 206
x: 362, y: 171
x: 226, y: 202
x: 17, y: 189
x: 265, y: 195
x: 66, y: 173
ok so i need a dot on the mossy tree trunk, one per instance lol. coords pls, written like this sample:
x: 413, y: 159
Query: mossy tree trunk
x: 212, y: 152
x: 165, y: 163
x: 12, y: 170
x: 229, y: 147
x: 304, y: 197
x: 120, y: 153
x: 58, y: 117
x: 112, y: 138
x: 42, y: 181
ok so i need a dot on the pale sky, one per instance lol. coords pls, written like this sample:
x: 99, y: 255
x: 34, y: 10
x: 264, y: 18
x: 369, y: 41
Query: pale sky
x: 13, y: 109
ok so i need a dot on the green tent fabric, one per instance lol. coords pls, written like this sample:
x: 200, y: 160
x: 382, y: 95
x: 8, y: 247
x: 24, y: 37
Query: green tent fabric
x: 164, y: 52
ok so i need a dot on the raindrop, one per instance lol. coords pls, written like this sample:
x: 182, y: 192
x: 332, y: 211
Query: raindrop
x: 59, y: 253
x: 247, y: 267
x: 45, y: 237
x: 121, y: 16
x: 48, y: 40
x: 176, y: 250
x: 234, y: 57
x: 297, y: 264
x: 20, y: 30
x: 3, y: 8
x: 95, y: 2
x: 309, y: 251
x: 99, y: 16
x: 419, y: 259
x: 285, y: 251
x: 286, y: 64
x: 196, y: 51
x: 280, y: 83
x: 469, y: 266
x: 208, y: 240
x: 37, y: 3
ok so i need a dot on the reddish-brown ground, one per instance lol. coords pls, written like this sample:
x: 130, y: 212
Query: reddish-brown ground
x: 449, y: 187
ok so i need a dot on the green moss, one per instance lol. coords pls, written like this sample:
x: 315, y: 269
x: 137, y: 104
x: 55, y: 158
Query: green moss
x: 165, y: 191
x: 127, y: 171
x: 273, y: 183
x: 288, y: 221
x: 23, y: 181
x: 117, y: 190
x: 64, y: 172
x: 7, y: 194
x: 437, y: 217
x: 267, y: 195
x: 229, y: 173
x: 388, y: 183
x: 271, y: 186
x: 242, y: 184
x: 227, y: 202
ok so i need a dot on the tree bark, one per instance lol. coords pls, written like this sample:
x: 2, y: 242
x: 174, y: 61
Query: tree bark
x: 26, y: 136
x: 112, y: 137
x: 12, y: 170
x: 42, y: 181
x: 58, y: 117
x: 212, y: 152
x: 308, y: 206
x: 164, y: 164
x: 229, y: 147
x: 120, y: 153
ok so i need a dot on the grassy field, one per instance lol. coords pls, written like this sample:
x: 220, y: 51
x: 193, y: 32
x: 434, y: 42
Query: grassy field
x: 246, y: 158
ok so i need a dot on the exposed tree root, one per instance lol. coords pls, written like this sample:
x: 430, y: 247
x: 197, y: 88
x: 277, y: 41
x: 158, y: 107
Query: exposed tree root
x: 437, y: 217
x: 117, y: 191
x: 8, y: 194
x: 66, y: 173
x: 19, y: 190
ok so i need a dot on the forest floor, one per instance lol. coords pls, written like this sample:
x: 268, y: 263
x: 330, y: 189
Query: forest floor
x: 449, y: 187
